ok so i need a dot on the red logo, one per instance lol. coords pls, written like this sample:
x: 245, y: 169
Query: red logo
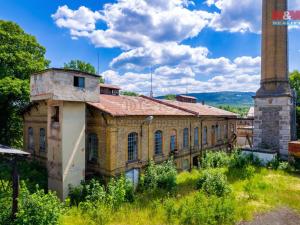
x: 286, y: 15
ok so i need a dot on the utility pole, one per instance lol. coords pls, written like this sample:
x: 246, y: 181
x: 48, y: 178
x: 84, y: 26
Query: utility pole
x: 151, y: 90
x: 98, y: 72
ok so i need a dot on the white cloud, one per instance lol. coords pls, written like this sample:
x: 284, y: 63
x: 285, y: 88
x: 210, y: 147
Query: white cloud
x: 237, y: 16
x: 150, y: 33
x: 240, y: 74
x: 159, y: 54
x: 134, y: 23
x: 77, y: 21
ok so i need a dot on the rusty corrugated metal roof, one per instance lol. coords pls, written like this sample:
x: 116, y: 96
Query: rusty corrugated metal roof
x: 136, y: 106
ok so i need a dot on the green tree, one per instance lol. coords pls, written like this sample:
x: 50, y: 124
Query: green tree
x: 81, y: 66
x: 20, y: 53
x: 170, y: 97
x: 20, y: 56
x: 101, y: 80
x: 295, y: 83
x: 14, y: 97
x: 241, y: 110
x: 129, y: 93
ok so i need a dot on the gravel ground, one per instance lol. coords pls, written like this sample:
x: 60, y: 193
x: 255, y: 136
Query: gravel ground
x: 281, y: 216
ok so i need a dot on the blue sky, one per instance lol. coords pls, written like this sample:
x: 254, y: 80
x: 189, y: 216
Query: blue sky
x: 194, y: 46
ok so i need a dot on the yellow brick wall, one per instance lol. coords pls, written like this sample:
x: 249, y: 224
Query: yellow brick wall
x: 112, y: 134
x: 36, y: 118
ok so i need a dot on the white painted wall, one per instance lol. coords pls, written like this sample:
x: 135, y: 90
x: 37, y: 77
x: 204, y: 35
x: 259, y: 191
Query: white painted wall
x: 73, y: 145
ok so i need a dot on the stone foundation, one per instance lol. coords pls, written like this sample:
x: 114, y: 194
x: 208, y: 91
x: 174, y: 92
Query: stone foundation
x: 272, y: 124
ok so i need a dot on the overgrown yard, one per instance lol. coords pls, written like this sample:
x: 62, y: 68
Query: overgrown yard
x: 226, y: 190
x: 252, y: 190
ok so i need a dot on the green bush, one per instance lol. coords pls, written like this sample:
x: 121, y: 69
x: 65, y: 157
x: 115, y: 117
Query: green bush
x: 5, y: 202
x: 159, y: 176
x: 202, y: 209
x: 240, y: 160
x: 38, y: 208
x: 285, y: 166
x: 31, y: 172
x: 274, y: 163
x: 97, y: 212
x: 213, y: 183
x: 87, y: 191
x: 119, y: 191
x: 215, y: 159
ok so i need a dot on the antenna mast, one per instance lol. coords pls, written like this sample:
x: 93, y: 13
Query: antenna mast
x: 151, y: 90
x: 98, y: 72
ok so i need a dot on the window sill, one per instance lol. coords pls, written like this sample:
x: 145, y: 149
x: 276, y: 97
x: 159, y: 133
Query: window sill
x: 132, y: 161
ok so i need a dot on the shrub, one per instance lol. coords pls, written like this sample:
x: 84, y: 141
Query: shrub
x: 31, y: 172
x: 285, y: 166
x: 215, y: 159
x: 213, y: 183
x: 274, y: 163
x: 87, y: 191
x: 159, y: 176
x: 99, y: 212
x: 5, y: 202
x: 38, y: 208
x: 207, y: 210
x: 240, y: 160
x: 119, y: 191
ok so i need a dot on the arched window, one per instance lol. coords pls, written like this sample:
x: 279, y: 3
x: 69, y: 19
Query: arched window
x: 225, y: 131
x: 30, y: 139
x: 219, y: 134
x: 92, y: 148
x: 132, y: 146
x: 42, y: 140
x: 185, y: 137
x: 205, y: 135
x: 196, y: 136
x: 173, y: 140
x: 158, y: 142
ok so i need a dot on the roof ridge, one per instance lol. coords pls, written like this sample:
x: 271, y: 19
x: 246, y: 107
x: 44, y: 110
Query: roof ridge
x: 169, y: 104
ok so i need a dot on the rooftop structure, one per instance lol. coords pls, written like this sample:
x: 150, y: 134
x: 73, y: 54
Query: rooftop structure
x: 186, y: 98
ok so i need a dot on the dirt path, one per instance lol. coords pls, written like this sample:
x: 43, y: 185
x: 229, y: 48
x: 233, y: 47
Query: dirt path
x: 281, y: 216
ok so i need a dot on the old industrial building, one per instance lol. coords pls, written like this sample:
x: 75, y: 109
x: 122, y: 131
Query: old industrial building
x: 78, y: 128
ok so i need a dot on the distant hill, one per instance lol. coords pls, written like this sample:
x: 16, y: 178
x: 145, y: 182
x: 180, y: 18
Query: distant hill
x: 231, y: 98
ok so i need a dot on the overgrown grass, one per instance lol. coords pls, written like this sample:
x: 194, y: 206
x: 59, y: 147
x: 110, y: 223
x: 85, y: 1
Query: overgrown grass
x: 265, y: 190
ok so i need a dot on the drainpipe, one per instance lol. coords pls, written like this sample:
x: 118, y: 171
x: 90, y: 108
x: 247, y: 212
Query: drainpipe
x: 149, y: 142
x: 201, y: 139
x: 190, y: 145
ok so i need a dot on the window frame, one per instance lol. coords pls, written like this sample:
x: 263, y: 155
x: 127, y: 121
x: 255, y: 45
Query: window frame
x: 205, y: 132
x: 30, y: 144
x: 196, y: 136
x: 173, y: 134
x: 132, y: 146
x: 92, y: 148
x: 79, y: 82
x: 158, y: 142
x: 42, y: 140
x: 185, y: 135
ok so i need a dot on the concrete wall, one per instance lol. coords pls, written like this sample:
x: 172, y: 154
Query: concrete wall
x: 58, y: 85
x: 66, y: 146
x: 73, y: 144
